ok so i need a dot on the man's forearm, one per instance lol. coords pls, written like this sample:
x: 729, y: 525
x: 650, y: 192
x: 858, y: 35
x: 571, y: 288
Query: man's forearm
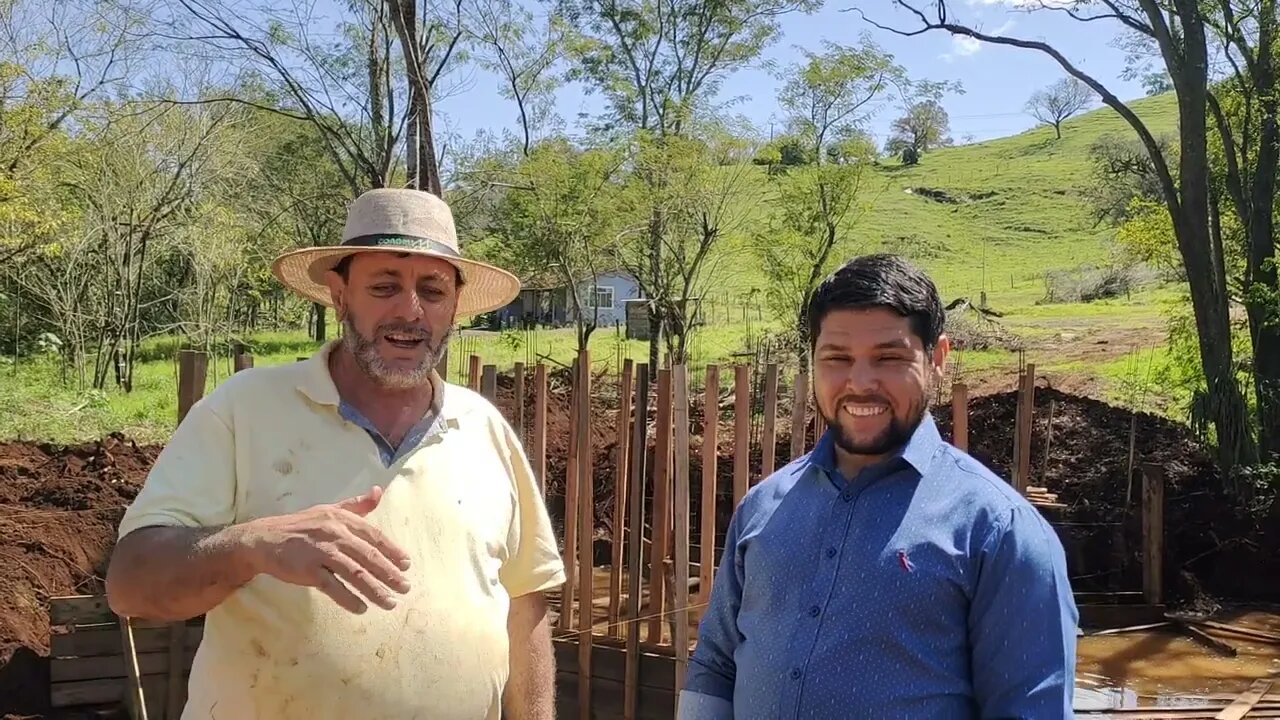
x: 531, y: 687
x: 175, y: 573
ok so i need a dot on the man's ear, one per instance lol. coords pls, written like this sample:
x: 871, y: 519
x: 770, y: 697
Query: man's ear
x: 941, y: 351
x: 337, y: 291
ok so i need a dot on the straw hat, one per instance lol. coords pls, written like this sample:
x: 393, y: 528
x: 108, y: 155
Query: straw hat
x: 398, y: 221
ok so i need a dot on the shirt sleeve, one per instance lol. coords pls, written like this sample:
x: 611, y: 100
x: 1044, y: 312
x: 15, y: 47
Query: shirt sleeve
x: 1022, y: 622
x: 534, y: 564
x: 193, y: 480
x: 708, y: 693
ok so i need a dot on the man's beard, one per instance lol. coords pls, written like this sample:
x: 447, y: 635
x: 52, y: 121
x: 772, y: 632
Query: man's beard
x: 365, y: 352
x: 894, y: 436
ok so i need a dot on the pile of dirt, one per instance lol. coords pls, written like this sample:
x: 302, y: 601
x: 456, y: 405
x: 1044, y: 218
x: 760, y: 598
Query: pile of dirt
x: 59, y: 508
x: 1214, y: 543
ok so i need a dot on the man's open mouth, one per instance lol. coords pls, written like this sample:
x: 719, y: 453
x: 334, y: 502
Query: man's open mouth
x: 403, y: 341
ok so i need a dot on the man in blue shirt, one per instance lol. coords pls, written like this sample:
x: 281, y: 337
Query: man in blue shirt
x: 886, y: 573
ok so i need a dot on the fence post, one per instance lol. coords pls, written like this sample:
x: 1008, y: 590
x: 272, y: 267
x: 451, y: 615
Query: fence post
x: 769, y: 441
x: 586, y: 534
x: 193, y: 370
x: 661, y: 508
x: 741, y: 431
x: 635, y: 552
x: 960, y: 416
x: 680, y: 613
x: 621, y: 462
x: 473, y: 373
x: 710, y: 483
x: 799, y: 406
x: 540, y: 426
x: 1153, y: 533
x: 489, y: 383
x: 518, y: 406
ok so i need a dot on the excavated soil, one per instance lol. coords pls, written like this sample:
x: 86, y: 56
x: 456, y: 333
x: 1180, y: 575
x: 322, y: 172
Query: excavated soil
x: 59, y: 505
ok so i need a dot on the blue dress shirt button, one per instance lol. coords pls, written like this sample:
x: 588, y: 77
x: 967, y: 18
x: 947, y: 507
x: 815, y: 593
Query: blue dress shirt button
x: 847, y: 495
x: 795, y: 673
x: 813, y: 611
x: 831, y: 552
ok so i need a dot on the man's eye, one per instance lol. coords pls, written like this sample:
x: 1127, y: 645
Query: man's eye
x: 384, y: 289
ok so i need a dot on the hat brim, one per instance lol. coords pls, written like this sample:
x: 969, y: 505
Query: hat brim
x: 485, y: 289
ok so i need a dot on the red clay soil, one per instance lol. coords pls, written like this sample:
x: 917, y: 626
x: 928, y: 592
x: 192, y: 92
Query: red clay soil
x: 59, y: 507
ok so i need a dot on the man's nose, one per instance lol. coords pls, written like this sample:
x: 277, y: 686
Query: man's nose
x: 409, y: 306
x: 861, y: 378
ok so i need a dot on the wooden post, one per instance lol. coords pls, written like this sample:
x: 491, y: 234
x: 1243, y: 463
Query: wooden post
x: 193, y: 369
x: 621, y: 462
x: 135, y: 699
x: 517, y: 422
x: 473, y: 373
x: 567, y: 593
x: 769, y: 441
x: 1048, y: 445
x: 1022, y: 429
x: 1153, y: 533
x: 1133, y: 441
x: 489, y: 383
x: 540, y: 426
x: 242, y: 361
x: 680, y: 612
x: 661, y: 507
x: 586, y: 533
x: 635, y: 550
x: 710, y: 484
x: 799, y: 407
x: 741, y: 431
x: 960, y: 416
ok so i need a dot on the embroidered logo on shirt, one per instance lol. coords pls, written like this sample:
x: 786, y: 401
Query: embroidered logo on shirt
x: 905, y: 561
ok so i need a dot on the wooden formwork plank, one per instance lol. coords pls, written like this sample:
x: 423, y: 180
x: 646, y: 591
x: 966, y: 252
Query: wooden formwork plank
x: 473, y: 373
x: 108, y: 667
x: 1241, y: 706
x: 960, y: 416
x: 106, y: 691
x: 489, y: 383
x: 568, y: 591
x: 799, y: 406
x: 741, y: 431
x: 1027, y: 428
x: 710, y: 459
x: 586, y: 518
x: 769, y: 439
x: 540, y: 426
x: 661, y: 507
x: 1153, y: 533
x: 101, y: 640
x: 680, y: 383
x: 610, y: 700
x: 609, y: 661
x: 621, y: 463
x: 517, y: 415
x: 635, y: 551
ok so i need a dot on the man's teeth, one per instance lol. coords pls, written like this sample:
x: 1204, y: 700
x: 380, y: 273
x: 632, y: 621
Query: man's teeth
x: 863, y: 410
x: 401, y: 338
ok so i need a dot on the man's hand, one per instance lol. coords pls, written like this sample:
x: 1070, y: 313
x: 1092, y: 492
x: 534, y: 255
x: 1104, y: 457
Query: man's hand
x: 332, y: 548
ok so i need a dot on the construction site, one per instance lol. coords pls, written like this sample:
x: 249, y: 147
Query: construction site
x: 1171, y: 577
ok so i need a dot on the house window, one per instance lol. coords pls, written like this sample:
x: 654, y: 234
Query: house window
x: 602, y: 297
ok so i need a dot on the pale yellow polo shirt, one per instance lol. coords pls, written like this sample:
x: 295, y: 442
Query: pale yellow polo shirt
x: 464, y: 504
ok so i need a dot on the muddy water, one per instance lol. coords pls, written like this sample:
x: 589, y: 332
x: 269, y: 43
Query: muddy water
x: 1164, y: 667
x: 1160, y: 667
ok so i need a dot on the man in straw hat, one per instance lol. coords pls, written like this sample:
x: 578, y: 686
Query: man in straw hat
x: 365, y: 540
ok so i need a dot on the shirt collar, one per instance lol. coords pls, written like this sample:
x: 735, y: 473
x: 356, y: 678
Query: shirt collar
x: 917, y: 453
x: 316, y: 382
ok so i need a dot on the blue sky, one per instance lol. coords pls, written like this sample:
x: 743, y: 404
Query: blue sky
x: 997, y: 80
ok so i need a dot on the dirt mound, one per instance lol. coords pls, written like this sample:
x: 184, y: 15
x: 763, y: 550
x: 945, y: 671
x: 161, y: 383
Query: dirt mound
x: 59, y: 507
x: 1212, y: 541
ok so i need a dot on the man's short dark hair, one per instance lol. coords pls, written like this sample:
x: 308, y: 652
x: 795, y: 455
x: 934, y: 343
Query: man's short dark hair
x: 880, y: 280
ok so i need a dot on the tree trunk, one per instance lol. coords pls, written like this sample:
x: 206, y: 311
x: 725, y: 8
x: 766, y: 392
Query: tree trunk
x: 404, y: 17
x: 321, y: 332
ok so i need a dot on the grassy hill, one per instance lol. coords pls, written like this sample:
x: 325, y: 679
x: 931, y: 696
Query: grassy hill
x: 995, y: 215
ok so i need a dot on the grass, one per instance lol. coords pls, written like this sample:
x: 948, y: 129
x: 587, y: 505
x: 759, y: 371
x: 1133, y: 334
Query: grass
x: 1019, y: 212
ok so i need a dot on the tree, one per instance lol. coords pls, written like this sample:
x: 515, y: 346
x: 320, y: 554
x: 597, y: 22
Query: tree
x: 1180, y: 31
x: 556, y: 216
x: 838, y: 89
x: 1059, y: 101
x: 924, y: 126
x: 656, y: 62
x: 523, y: 53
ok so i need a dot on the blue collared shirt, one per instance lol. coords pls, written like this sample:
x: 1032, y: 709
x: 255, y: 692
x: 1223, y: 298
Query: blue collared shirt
x: 925, y: 587
x: 428, y: 426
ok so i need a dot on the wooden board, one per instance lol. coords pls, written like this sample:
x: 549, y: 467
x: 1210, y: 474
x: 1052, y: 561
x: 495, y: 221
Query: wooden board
x: 680, y: 381
x: 710, y: 458
x: 741, y: 431
x: 1241, y: 706
x: 621, y: 460
x: 661, y: 507
x: 539, y: 450
x: 769, y: 432
x: 635, y: 552
x: 586, y: 518
x: 799, y: 406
